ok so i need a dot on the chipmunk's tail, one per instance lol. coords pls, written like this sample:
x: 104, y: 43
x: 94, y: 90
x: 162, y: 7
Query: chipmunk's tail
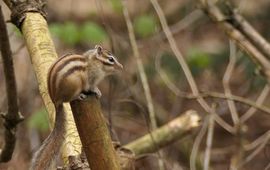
x: 47, y: 153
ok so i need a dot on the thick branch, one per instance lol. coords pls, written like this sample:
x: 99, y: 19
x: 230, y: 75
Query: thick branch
x: 94, y: 134
x: 12, y: 118
x: 166, y: 134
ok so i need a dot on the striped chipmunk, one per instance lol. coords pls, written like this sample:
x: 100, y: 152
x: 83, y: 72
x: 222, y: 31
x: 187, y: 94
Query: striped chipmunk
x: 72, y: 77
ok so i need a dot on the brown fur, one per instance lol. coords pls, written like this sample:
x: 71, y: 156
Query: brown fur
x: 67, y: 78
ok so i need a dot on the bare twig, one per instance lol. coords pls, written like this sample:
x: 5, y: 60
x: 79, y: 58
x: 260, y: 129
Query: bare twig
x: 238, y: 30
x: 209, y: 142
x: 242, y: 100
x: 235, y: 98
x: 251, y: 33
x: 13, y: 117
x: 174, y: 47
x: 140, y: 66
x: 226, y: 82
x: 142, y: 74
x: 259, y: 101
x: 185, y: 67
x: 256, y: 151
x: 197, y: 142
x: 257, y: 142
x: 184, y: 23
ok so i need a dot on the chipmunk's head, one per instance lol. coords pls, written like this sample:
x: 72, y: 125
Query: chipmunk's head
x: 109, y: 62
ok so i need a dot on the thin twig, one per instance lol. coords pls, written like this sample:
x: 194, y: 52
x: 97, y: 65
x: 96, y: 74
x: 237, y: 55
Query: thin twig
x: 259, y: 101
x: 142, y: 74
x: 257, y: 142
x: 226, y: 82
x: 209, y: 142
x: 242, y: 100
x: 256, y: 151
x: 233, y: 27
x: 267, y: 167
x: 185, y: 67
x: 184, y: 23
x: 178, y: 92
x: 197, y: 142
x: 252, y: 34
x: 174, y: 47
x: 140, y: 66
x: 12, y: 118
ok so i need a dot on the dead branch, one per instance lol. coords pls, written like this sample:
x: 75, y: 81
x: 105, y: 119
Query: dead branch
x: 166, y: 134
x: 13, y: 117
x: 94, y: 134
x: 244, y: 35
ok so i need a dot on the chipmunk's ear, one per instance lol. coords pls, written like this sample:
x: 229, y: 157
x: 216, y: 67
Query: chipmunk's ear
x: 99, y: 49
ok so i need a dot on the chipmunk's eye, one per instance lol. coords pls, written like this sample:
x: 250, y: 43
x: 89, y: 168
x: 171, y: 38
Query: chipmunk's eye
x: 111, y: 59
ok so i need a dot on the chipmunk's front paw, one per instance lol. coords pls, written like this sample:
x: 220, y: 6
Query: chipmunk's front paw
x: 97, y: 92
x: 83, y: 96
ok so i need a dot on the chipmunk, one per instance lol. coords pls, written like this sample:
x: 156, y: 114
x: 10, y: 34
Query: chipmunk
x: 72, y: 77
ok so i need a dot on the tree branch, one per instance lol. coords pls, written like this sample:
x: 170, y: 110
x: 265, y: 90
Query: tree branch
x: 178, y: 92
x: 29, y: 17
x: 226, y: 82
x: 185, y: 67
x: 94, y: 134
x: 13, y: 117
x: 166, y: 134
x: 243, y: 34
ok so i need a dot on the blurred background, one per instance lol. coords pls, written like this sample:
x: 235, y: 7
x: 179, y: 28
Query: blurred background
x: 77, y: 26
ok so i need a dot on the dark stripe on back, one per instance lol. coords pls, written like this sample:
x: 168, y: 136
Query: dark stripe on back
x: 57, y: 66
x: 67, y: 60
x: 71, y: 71
x: 74, y: 69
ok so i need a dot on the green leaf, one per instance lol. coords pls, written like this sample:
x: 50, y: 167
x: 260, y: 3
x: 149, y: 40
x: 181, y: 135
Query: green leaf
x: 145, y: 25
x: 93, y: 33
x: 39, y: 120
x: 198, y: 60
